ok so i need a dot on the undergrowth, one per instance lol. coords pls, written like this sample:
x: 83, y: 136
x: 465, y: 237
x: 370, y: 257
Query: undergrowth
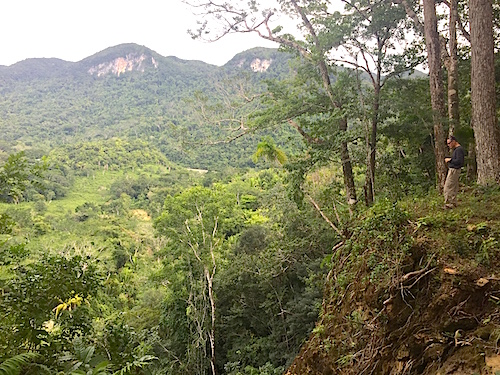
x: 412, y: 285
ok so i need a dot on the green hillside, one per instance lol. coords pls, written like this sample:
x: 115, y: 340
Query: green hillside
x: 51, y: 102
x: 112, y: 272
x: 113, y: 266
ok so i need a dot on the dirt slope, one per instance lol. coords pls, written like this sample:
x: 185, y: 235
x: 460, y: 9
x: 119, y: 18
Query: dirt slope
x: 413, y: 289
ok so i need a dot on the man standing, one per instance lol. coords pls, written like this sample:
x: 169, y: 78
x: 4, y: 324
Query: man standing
x: 455, y: 164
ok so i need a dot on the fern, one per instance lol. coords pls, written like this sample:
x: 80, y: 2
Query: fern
x: 14, y: 365
x: 138, y: 363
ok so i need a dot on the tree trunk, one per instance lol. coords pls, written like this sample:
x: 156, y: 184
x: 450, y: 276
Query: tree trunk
x: 372, y: 142
x: 436, y: 88
x: 452, y: 66
x: 484, y: 122
x: 350, y: 190
x: 345, y: 159
x: 325, y: 78
x: 211, y: 334
x: 471, y: 165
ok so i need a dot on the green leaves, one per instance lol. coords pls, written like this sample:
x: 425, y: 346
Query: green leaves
x: 199, y: 212
x: 6, y: 223
x: 17, y: 174
x: 14, y: 365
x: 83, y: 361
x: 39, y: 287
x: 137, y: 363
x: 112, y: 154
x: 267, y: 149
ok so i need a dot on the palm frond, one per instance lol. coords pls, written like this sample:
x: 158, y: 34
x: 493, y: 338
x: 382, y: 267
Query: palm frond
x: 14, y: 365
x: 267, y: 149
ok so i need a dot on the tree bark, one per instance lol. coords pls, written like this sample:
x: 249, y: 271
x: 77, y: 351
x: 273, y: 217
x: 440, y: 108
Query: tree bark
x: 452, y: 67
x: 436, y: 88
x: 350, y: 189
x: 372, y: 139
x: 484, y: 122
x: 211, y: 334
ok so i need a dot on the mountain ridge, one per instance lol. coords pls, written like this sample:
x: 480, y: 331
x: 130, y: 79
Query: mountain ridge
x: 123, y: 91
x: 130, y: 90
x: 125, y: 57
x: 113, y: 49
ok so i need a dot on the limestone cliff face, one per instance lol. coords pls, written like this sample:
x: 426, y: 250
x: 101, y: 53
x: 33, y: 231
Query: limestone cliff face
x: 120, y: 65
x: 261, y: 61
x: 256, y: 64
x: 259, y: 65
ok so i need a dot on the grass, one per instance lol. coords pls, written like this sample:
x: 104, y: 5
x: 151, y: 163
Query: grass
x: 57, y: 229
x: 93, y: 189
x: 471, y: 230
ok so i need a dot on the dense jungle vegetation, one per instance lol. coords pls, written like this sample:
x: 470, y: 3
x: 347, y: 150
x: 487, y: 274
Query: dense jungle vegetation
x: 181, y: 218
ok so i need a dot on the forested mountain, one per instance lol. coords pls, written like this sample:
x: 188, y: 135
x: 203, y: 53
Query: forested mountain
x: 128, y: 91
x: 132, y: 241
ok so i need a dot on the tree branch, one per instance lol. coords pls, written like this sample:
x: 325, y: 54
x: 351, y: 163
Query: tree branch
x: 301, y: 131
x: 316, y: 206
x: 411, y: 13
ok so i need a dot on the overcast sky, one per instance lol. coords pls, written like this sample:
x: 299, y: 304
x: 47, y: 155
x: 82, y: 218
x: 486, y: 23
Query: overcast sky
x: 74, y: 29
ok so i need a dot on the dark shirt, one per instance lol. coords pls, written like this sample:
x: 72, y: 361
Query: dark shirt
x: 457, y: 158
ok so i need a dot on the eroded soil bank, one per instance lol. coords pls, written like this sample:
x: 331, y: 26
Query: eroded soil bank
x: 413, y: 290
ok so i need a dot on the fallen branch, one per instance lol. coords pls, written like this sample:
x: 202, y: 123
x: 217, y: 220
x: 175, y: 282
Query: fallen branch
x: 334, y: 251
x: 316, y: 206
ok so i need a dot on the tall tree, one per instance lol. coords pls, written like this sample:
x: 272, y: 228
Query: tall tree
x: 368, y: 32
x: 17, y: 174
x: 452, y: 66
x: 484, y: 121
x: 250, y: 17
x: 198, y: 220
x: 432, y: 42
x: 437, y: 55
